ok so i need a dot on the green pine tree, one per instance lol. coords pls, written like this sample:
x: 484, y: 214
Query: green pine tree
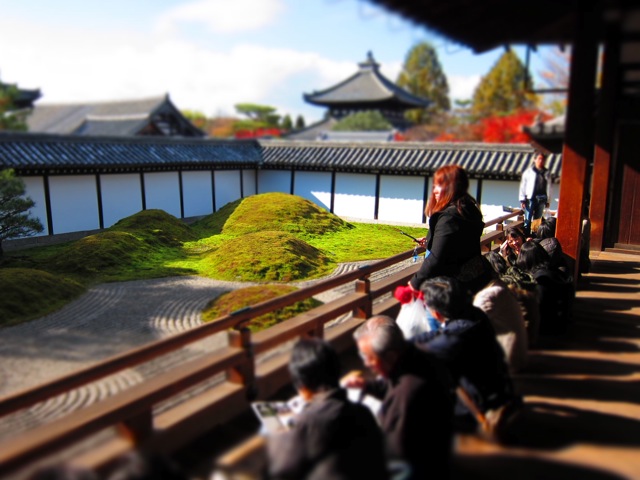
x: 368, y: 121
x: 504, y: 89
x: 423, y: 76
x: 15, y: 220
x: 9, y: 118
x: 287, y: 123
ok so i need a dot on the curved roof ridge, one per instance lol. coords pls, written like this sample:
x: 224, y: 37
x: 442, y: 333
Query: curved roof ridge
x: 371, y: 86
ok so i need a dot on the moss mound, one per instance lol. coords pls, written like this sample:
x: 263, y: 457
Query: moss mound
x: 244, y: 297
x: 156, y: 227
x: 100, y: 253
x: 281, y: 212
x: 267, y: 256
x: 29, y: 293
x: 214, y: 223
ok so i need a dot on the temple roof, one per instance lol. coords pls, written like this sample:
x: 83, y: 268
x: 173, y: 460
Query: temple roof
x: 37, y: 154
x: 367, y: 88
x: 480, y: 160
x: 154, y: 116
x: 24, y: 98
x: 490, y: 24
x: 32, y: 153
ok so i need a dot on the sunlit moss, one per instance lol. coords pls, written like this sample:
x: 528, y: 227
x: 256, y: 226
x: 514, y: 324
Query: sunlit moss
x: 244, y: 297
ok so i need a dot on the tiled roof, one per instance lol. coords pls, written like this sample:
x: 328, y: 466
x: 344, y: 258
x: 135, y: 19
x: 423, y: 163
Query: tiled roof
x: 367, y: 85
x: 480, y: 160
x: 342, y: 136
x: 125, y: 117
x: 24, y: 98
x: 313, y: 131
x: 29, y: 152
x: 553, y: 127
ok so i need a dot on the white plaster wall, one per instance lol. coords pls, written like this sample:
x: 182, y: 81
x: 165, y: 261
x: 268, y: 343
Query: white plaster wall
x: 555, y: 195
x: 226, y: 187
x: 34, y: 189
x: 274, y: 181
x: 355, y: 195
x: 74, y: 203
x: 121, y: 196
x: 495, y: 194
x: 314, y: 186
x: 197, y: 193
x: 248, y: 182
x: 401, y: 199
x: 162, y: 191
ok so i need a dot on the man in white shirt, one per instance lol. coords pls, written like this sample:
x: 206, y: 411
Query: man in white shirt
x: 534, y: 191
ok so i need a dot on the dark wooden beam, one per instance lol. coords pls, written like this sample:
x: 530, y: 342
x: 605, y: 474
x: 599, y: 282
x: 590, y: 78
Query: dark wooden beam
x: 578, y: 145
x: 605, y: 128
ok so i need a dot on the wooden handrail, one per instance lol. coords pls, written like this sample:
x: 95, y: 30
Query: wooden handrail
x: 132, y: 410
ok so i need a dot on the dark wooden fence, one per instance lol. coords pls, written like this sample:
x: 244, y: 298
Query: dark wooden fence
x: 132, y: 419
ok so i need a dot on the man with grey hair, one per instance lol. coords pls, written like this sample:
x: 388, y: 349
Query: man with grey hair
x: 417, y: 397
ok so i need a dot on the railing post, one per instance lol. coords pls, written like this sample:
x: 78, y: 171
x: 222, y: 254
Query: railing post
x: 364, y: 286
x: 245, y: 373
x: 499, y: 228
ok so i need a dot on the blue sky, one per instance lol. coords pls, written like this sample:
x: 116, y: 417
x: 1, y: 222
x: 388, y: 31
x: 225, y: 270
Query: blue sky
x: 211, y: 54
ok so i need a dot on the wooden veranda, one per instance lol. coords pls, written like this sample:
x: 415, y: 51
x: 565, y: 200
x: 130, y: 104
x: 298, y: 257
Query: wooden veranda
x: 582, y: 414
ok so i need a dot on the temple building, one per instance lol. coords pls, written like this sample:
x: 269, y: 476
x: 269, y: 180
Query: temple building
x: 156, y: 116
x: 366, y: 90
x: 24, y: 98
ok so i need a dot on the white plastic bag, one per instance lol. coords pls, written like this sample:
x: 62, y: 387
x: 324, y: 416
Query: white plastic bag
x: 412, y: 318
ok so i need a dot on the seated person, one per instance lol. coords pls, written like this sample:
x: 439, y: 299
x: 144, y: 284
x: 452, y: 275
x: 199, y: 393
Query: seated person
x: 510, y: 248
x: 417, y: 397
x: 467, y: 345
x: 332, y: 438
x: 497, y: 262
x: 502, y: 308
x: 524, y: 289
x: 555, y: 288
x: 557, y: 258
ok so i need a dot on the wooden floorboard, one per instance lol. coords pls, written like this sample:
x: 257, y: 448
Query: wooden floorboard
x: 582, y: 391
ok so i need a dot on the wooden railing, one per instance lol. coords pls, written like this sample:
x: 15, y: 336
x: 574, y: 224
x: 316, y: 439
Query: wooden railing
x: 132, y: 416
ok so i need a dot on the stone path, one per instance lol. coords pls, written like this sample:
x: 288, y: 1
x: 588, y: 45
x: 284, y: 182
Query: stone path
x: 107, y: 320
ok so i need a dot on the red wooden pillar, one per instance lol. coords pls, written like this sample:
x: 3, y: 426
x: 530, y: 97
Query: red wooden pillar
x: 605, y: 129
x: 578, y: 142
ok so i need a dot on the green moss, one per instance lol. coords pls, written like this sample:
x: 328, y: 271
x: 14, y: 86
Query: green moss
x: 244, y: 297
x: 99, y: 253
x: 281, y: 212
x: 267, y: 256
x: 214, y: 223
x: 156, y: 227
x: 28, y: 293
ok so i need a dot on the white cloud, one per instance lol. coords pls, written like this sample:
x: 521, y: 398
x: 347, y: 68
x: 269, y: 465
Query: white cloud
x: 222, y: 16
x: 461, y: 87
x: 130, y: 65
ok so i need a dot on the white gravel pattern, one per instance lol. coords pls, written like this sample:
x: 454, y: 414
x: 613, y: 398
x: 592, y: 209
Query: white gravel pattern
x: 107, y: 320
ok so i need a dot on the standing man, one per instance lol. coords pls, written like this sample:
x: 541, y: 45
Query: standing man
x: 534, y: 191
x: 417, y: 397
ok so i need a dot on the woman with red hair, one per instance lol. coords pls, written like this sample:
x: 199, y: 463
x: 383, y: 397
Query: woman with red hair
x: 455, y: 228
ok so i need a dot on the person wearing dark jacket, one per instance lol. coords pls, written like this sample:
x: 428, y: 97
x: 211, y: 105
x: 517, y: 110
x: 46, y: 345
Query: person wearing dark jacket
x: 555, y: 288
x: 332, y: 438
x: 417, y: 397
x: 455, y: 228
x: 468, y: 347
